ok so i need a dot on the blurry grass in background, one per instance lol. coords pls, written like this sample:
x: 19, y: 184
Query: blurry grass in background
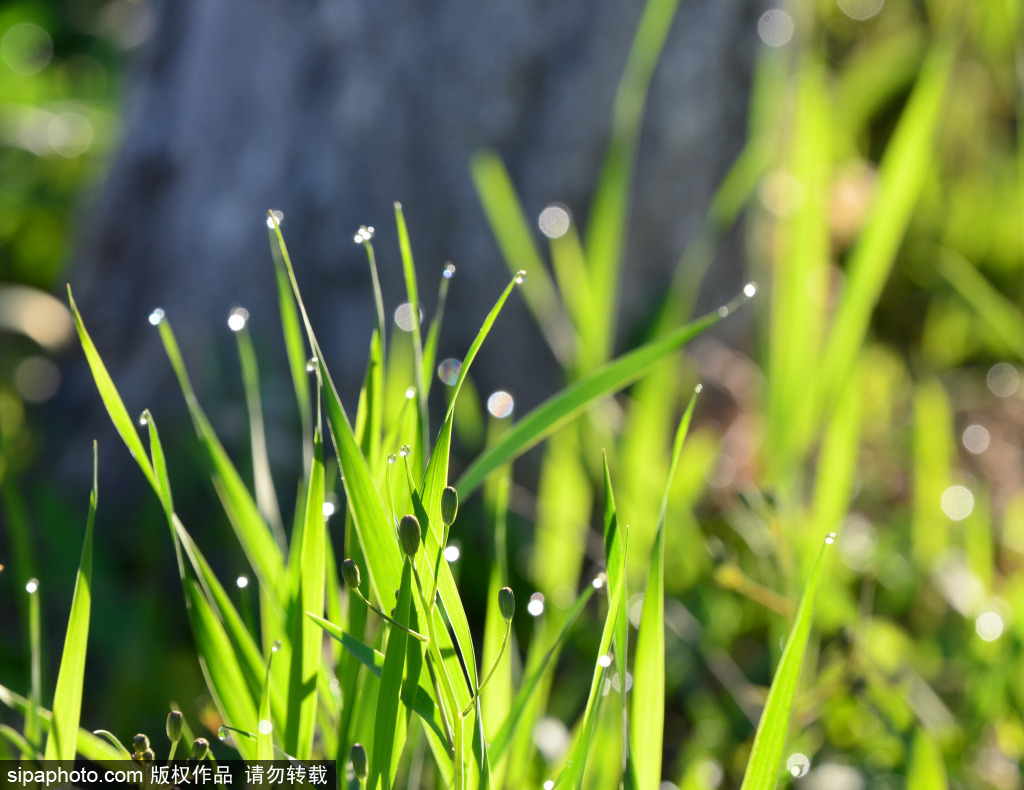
x: 881, y: 196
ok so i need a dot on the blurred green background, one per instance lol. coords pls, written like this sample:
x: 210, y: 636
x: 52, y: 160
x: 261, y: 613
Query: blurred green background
x: 919, y: 625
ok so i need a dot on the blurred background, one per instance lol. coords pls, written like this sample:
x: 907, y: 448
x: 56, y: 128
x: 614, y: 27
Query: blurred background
x: 837, y: 151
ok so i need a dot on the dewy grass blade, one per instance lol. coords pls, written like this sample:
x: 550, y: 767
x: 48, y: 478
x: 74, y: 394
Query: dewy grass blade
x: 434, y: 333
x: 122, y: 751
x: 294, y: 344
x: 115, y: 406
x: 67, y: 699
x: 156, y: 452
x: 224, y: 676
x: 388, y: 696
x: 264, y: 729
x: 412, y: 292
x: 575, y: 767
x: 253, y: 534
x: 770, y: 741
x: 576, y: 398
x: 648, y: 720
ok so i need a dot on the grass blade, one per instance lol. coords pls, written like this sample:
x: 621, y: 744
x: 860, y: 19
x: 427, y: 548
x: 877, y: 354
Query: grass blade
x: 88, y: 745
x: 927, y: 769
x: 389, y: 694
x: 67, y: 699
x: 111, y: 399
x: 265, y: 734
x: 412, y: 292
x: 770, y: 741
x: 648, y: 720
x: 578, y: 397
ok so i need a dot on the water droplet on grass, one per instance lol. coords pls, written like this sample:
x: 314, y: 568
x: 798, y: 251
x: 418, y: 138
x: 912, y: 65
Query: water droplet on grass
x: 605, y: 660
x: 798, y: 764
x: 31, y: 586
x: 328, y: 509
x: 223, y: 733
x: 536, y: 604
x: 452, y: 552
x: 599, y: 581
x: 520, y: 277
x: 275, y: 646
x: 449, y: 271
x: 723, y: 311
x: 242, y: 582
x: 410, y: 393
x: 448, y: 371
x: 278, y: 215
x: 311, y: 364
x: 144, y: 419
x: 750, y: 289
x: 830, y: 538
x: 237, y: 319
x: 156, y: 316
x: 699, y: 389
x: 405, y: 451
x: 392, y: 458
x: 265, y: 726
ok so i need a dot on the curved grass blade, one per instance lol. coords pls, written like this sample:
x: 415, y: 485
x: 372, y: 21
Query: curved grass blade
x: 224, y: 676
x: 412, y: 292
x: 19, y: 742
x: 648, y: 721
x: 111, y: 399
x: 770, y: 741
x: 67, y: 699
x: 116, y: 743
x: 578, y: 397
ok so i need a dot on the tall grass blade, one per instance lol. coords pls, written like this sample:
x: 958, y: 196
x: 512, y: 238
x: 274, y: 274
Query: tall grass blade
x: 578, y: 397
x: 265, y: 734
x: 412, y: 292
x: 927, y: 769
x: 770, y: 741
x: 67, y: 699
x: 389, y: 694
x: 111, y: 399
x: 648, y: 719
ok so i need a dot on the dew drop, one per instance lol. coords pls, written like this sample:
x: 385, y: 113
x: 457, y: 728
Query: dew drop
x: 410, y: 393
x: 328, y: 509
x: 699, y: 389
x: 798, y: 764
x: 605, y: 660
x: 275, y: 646
x: 363, y: 235
x: 750, y: 289
x: 265, y: 726
x: 237, y: 319
x: 830, y: 538
x: 311, y: 364
x: 723, y: 311
x: 392, y: 458
x: 274, y: 215
x: 242, y: 582
x: 549, y: 784
x: 31, y: 586
x: 223, y: 733
x: 448, y: 371
x: 520, y: 277
x: 452, y: 552
x: 599, y: 581
x: 449, y: 271
x: 536, y: 604
x: 156, y: 316
x: 144, y: 419
x: 405, y: 451
x: 500, y: 404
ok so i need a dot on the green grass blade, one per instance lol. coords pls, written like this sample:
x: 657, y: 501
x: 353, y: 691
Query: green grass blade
x: 927, y: 769
x: 1003, y: 317
x: 515, y: 240
x: 18, y: 741
x: 434, y: 333
x: 252, y: 532
x: 302, y: 696
x: 412, y: 292
x: 266, y: 496
x: 111, y: 399
x: 224, y: 676
x: 123, y: 752
x: 578, y: 397
x: 503, y: 738
x: 389, y: 694
x: 605, y: 238
x: 67, y: 699
x: 293, y: 342
x: 770, y: 741
x: 904, y: 168
x: 648, y: 720
x: 159, y: 460
x: 572, y: 773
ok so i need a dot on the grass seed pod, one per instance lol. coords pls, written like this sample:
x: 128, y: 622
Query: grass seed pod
x: 350, y: 573
x: 410, y: 534
x: 506, y: 603
x: 449, y: 505
x: 200, y: 748
x: 175, y: 723
x: 359, y: 764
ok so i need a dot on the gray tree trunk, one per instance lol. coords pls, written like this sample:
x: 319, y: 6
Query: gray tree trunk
x: 329, y: 110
